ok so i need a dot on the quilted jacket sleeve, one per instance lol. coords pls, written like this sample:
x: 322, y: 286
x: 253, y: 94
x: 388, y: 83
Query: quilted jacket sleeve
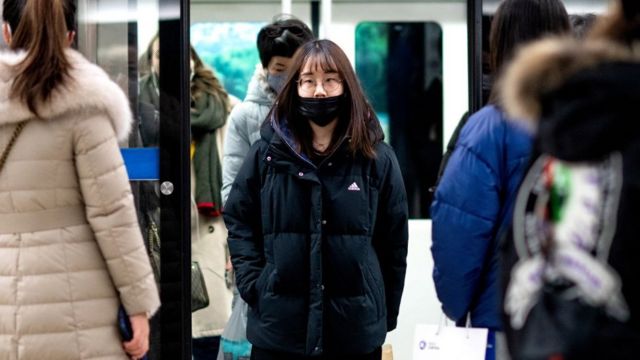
x: 237, y: 146
x: 464, y: 214
x: 391, y: 236
x: 111, y: 213
x: 242, y: 215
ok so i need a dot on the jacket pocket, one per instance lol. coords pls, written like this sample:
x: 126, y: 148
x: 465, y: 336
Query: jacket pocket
x: 344, y: 258
x: 262, y: 284
x: 375, y: 287
x: 291, y: 259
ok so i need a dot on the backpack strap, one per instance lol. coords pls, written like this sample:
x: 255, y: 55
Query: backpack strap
x: 451, y: 145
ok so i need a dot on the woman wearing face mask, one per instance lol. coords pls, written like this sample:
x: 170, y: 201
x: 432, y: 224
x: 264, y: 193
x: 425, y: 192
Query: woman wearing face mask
x: 317, y: 219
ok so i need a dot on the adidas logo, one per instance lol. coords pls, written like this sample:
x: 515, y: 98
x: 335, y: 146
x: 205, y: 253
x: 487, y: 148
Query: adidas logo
x: 353, y: 187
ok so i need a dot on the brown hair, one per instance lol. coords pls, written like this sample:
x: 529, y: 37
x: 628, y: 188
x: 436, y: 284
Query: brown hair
x: 144, y: 61
x: 517, y: 22
x: 205, y: 81
x: 358, y: 121
x: 621, y: 23
x: 40, y: 28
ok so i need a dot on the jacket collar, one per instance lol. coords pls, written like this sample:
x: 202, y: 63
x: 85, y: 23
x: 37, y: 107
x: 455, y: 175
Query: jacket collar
x: 88, y: 89
x: 259, y: 90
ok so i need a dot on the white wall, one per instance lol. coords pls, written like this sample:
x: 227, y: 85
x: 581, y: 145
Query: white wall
x: 419, y: 302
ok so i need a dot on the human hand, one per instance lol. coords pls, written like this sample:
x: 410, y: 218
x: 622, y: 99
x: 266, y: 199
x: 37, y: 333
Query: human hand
x: 139, y: 344
x: 229, y: 275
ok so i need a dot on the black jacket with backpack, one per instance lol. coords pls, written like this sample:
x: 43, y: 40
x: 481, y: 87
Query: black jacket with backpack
x: 319, y: 251
x: 586, y: 98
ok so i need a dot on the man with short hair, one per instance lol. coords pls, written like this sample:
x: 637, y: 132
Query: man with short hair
x: 277, y: 42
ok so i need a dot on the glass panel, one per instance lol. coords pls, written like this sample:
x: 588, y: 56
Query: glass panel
x: 228, y: 52
x: 110, y: 35
x: 230, y: 49
x: 400, y: 66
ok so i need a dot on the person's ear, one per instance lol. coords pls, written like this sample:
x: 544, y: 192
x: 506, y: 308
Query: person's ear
x: 71, y: 35
x: 6, y: 33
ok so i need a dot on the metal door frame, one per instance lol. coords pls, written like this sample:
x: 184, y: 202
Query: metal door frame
x: 175, y: 224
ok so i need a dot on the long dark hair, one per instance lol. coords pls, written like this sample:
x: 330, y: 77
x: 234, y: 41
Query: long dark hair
x: 517, y: 22
x: 358, y: 121
x: 40, y: 28
x: 205, y: 81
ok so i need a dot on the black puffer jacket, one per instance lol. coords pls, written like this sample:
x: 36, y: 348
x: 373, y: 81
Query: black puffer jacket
x: 319, y: 251
x: 586, y: 97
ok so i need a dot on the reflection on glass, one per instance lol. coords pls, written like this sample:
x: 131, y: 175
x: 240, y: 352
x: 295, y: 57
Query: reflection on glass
x: 146, y: 134
x: 149, y: 94
x: 230, y: 49
x: 400, y: 66
x: 109, y: 34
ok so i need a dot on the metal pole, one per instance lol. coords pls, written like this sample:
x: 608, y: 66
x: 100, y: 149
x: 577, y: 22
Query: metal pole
x: 474, y: 34
x: 286, y: 6
x: 325, y: 16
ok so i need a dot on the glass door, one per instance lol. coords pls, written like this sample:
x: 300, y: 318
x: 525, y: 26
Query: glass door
x: 143, y: 47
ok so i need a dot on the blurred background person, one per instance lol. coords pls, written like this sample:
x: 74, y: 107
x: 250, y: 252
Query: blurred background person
x: 210, y: 106
x: 69, y: 239
x: 581, y: 98
x: 581, y: 24
x: 276, y: 44
x: 149, y: 95
x: 145, y: 133
x: 474, y: 199
x: 318, y: 219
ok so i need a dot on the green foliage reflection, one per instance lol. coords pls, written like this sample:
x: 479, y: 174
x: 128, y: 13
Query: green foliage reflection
x: 230, y: 50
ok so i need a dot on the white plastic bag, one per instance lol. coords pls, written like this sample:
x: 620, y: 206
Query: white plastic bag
x: 233, y: 343
x: 438, y: 342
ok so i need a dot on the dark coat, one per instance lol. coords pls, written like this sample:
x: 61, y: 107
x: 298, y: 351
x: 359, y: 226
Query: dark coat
x: 586, y: 97
x: 319, y: 251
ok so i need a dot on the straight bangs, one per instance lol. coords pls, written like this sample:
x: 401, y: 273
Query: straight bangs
x: 357, y: 120
x: 320, y: 59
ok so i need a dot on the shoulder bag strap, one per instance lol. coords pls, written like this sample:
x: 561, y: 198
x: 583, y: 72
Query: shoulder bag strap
x: 14, y: 137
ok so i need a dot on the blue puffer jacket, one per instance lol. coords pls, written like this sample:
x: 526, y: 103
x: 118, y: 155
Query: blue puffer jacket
x: 474, y: 199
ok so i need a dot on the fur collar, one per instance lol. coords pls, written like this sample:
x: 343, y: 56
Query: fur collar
x: 544, y: 66
x: 88, y: 89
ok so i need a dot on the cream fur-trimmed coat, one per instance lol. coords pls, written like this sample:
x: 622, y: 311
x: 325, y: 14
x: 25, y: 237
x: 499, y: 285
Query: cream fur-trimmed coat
x: 70, y: 246
x: 209, y: 249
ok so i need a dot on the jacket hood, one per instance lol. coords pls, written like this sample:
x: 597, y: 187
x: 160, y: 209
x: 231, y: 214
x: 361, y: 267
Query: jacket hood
x: 259, y: 90
x: 276, y: 131
x: 581, y: 97
x: 87, y: 89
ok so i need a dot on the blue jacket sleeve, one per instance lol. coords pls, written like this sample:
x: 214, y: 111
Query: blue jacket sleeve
x: 243, y: 221
x: 391, y: 235
x: 464, y: 215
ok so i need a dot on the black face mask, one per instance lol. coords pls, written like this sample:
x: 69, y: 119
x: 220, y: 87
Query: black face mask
x: 320, y: 110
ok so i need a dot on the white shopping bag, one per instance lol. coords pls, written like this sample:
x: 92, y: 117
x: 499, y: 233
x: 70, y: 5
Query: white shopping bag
x: 438, y: 342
